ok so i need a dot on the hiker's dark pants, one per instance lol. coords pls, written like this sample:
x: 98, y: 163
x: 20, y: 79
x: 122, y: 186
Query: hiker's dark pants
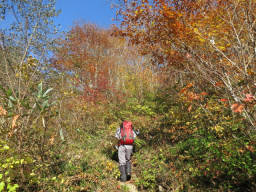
x: 124, y: 154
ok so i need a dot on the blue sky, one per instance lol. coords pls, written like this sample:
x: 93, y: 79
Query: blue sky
x: 89, y: 11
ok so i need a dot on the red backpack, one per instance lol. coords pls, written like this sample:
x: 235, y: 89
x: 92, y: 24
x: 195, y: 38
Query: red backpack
x: 127, y: 137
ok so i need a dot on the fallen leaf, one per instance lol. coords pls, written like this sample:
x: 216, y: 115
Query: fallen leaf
x: 2, y: 111
x: 219, y: 84
x: 14, y: 120
x: 248, y: 98
x: 189, y: 108
x: 237, y: 108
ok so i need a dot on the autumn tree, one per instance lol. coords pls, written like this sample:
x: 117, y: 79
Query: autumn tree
x: 210, y: 40
x: 100, y: 63
x: 26, y: 39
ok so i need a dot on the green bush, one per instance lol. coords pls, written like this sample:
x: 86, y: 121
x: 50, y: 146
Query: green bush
x: 8, y: 166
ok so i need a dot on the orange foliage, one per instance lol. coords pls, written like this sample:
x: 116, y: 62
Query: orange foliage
x: 14, y: 121
x: 196, y: 31
x: 2, y: 111
x: 210, y: 41
x: 204, y: 93
x: 237, y: 108
x: 101, y: 63
x: 85, y: 52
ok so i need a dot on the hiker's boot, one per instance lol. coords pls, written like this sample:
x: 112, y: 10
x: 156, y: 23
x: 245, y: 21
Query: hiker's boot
x: 128, y: 170
x: 123, y: 176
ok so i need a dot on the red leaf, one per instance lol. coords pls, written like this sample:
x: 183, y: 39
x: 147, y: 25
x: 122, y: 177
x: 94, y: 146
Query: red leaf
x: 204, y: 93
x: 248, y: 98
x: 183, y: 90
x: 218, y: 84
x: 223, y: 100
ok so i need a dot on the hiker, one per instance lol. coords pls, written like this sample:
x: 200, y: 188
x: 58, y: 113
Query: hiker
x: 125, y: 135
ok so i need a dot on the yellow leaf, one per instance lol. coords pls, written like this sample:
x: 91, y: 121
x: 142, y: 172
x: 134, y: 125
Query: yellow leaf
x: 218, y: 128
x: 201, y: 39
x: 196, y: 30
x: 222, y: 48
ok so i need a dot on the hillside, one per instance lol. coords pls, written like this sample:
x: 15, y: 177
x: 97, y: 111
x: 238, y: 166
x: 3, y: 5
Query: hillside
x: 183, y: 72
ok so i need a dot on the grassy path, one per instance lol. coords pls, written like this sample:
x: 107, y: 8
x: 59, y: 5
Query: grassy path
x: 128, y: 187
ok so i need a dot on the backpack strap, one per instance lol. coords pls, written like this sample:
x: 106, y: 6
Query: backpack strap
x: 124, y: 132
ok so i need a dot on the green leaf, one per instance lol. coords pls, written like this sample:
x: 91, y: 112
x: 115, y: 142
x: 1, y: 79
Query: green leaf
x: 46, y: 92
x: 45, y: 104
x: 12, y: 98
x: 12, y: 188
x: 9, y: 92
x: 40, y: 90
x: 2, y: 184
x: 38, y: 105
x: 6, y: 147
x: 10, y: 104
x: 21, y: 161
x: 10, y: 114
x: 26, y: 105
x: 61, y: 135
x: 54, y: 102
x: 2, y: 88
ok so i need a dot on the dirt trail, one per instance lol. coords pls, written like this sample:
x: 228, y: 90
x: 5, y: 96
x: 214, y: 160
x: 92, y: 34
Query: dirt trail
x: 129, y: 184
x: 131, y: 187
